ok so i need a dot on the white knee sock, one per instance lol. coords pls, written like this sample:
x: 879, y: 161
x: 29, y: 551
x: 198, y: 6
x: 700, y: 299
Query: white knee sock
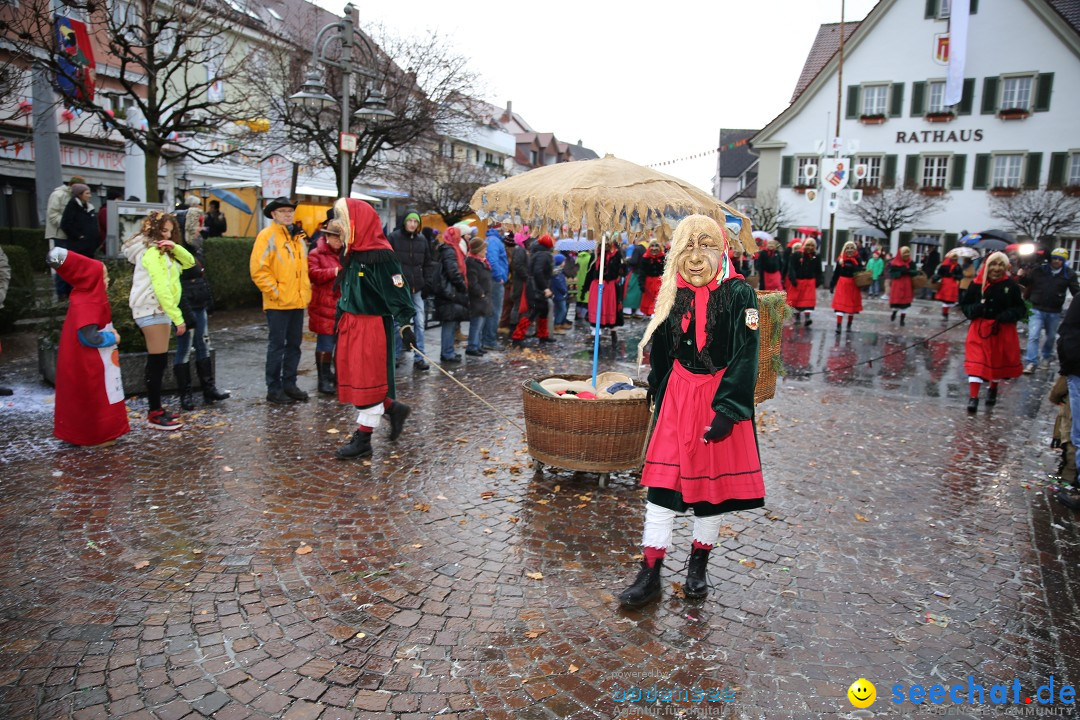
x: 659, y: 522
x: 369, y: 416
x: 707, y: 529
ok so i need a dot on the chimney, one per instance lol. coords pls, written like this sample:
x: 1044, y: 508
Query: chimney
x: 579, y: 143
x: 509, y: 107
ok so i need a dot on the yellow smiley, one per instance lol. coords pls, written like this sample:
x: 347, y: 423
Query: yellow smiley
x: 862, y: 693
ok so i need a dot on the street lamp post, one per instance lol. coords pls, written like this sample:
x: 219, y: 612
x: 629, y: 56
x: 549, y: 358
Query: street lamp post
x: 8, y: 191
x: 313, y: 92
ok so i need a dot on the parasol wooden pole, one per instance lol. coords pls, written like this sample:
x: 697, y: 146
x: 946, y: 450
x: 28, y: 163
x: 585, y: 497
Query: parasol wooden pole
x: 599, y: 307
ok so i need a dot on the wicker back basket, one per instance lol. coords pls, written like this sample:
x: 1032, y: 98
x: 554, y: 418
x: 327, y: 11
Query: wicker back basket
x: 585, y: 435
x: 772, y: 306
x: 864, y: 279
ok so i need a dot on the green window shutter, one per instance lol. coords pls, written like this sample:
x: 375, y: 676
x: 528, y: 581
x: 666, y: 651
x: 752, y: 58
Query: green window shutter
x: 888, y: 174
x: 1044, y: 86
x: 931, y: 8
x: 787, y: 167
x: 974, y: 6
x: 959, y: 165
x: 968, y: 97
x: 905, y: 239
x: 783, y: 234
x: 1058, y: 163
x: 949, y: 243
x: 918, y: 98
x: 853, y: 110
x: 989, y: 98
x: 982, y: 172
x: 1033, y: 170
x: 841, y: 238
x: 896, y: 105
x: 911, y: 169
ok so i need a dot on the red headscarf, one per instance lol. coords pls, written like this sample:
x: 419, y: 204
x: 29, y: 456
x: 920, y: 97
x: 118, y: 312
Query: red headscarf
x: 452, y: 237
x: 365, y: 228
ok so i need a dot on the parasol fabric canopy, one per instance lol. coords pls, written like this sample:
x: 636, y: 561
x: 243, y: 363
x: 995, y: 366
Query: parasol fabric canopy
x: 607, y: 194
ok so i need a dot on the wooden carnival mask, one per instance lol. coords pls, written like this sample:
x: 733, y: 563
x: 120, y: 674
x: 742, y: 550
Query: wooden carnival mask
x: 700, y: 258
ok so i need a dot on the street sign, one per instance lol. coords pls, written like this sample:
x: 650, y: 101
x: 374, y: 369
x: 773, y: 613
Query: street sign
x: 348, y: 142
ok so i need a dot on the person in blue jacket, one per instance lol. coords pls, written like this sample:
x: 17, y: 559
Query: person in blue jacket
x: 559, y: 291
x: 500, y: 273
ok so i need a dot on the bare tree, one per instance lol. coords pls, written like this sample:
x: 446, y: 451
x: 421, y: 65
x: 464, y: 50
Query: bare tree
x: 170, y: 59
x: 425, y: 85
x: 769, y: 213
x: 1038, y: 214
x: 441, y: 184
x: 893, y: 208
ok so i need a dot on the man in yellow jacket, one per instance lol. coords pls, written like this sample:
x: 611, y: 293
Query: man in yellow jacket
x: 279, y: 268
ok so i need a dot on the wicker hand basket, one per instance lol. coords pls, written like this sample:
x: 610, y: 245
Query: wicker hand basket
x: 772, y: 307
x: 919, y: 280
x: 864, y: 279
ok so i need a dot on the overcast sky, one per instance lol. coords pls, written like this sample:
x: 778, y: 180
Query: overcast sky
x: 648, y: 85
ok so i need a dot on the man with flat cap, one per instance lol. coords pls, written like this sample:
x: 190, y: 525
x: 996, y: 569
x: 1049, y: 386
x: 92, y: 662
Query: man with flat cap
x: 279, y: 268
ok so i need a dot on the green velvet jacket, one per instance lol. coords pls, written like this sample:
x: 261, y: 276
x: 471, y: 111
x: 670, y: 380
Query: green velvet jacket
x: 731, y: 343
x: 373, y: 284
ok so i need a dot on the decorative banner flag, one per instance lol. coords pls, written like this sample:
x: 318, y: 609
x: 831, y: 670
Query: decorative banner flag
x: 853, y: 146
x: 855, y: 196
x: 76, y: 59
x: 811, y: 195
x: 832, y: 204
x: 835, y: 173
x: 860, y: 171
x: 941, y: 48
x: 810, y: 171
x: 958, y: 41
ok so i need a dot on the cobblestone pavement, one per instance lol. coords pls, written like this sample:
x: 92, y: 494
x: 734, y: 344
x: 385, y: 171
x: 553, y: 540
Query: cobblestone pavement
x: 237, y: 570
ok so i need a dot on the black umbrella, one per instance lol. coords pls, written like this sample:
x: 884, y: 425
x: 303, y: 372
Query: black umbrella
x: 926, y: 240
x: 991, y: 244
x: 998, y: 235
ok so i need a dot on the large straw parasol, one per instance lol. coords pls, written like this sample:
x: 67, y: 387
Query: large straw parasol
x: 607, y: 194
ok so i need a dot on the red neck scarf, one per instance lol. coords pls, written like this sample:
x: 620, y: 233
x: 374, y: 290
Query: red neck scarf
x: 701, y: 307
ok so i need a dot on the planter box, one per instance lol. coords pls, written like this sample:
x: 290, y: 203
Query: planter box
x: 132, y: 369
x: 1016, y: 114
x: 872, y: 119
x: 801, y: 189
x: 1004, y: 191
x: 1071, y: 190
x: 868, y: 189
x: 940, y: 117
x: 934, y: 191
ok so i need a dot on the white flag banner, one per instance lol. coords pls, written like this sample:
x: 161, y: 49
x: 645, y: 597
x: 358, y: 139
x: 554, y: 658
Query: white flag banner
x: 959, y: 14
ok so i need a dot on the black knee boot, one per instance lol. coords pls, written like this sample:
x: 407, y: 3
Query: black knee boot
x: 182, y: 373
x: 645, y: 588
x: 210, y: 391
x: 326, y: 380
x: 696, y: 585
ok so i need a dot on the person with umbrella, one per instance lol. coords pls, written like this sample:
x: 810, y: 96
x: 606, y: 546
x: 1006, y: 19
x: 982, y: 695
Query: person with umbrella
x: 847, y: 298
x: 901, y: 290
x: 948, y: 273
x: 703, y: 454
x: 994, y: 304
x: 1046, y: 286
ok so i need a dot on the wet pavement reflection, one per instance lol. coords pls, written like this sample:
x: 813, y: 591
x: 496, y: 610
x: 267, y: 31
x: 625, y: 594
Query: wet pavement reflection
x: 237, y: 569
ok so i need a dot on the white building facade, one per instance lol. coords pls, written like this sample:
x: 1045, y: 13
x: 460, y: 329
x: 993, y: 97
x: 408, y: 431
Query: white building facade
x: 1017, y: 126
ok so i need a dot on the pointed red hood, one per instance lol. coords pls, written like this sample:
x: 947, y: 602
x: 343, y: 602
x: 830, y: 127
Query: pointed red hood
x: 366, y: 228
x: 88, y: 303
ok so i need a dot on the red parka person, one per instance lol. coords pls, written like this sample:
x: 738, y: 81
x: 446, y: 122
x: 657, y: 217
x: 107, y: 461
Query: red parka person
x: 651, y: 269
x: 901, y: 291
x: 89, y: 407
x: 949, y: 273
x: 374, y: 293
x: 847, y: 298
x: 806, y: 277
x: 994, y: 304
x: 324, y: 264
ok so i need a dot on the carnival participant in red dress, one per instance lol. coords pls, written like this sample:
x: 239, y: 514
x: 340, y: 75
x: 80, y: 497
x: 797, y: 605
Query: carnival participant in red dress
x: 847, y: 298
x: 994, y: 304
x: 651, y: 269
x: 768, y: 264
x: 703, y: 455
x: 785, y: 269
x: 806, y: 277
x: 89, y: 407
x: 948, y: 273
x: 611, y: 314
x: 374, y: 294
x: 901, y: 291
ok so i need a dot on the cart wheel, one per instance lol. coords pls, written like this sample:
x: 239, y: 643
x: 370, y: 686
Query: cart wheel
x: 538, y: 467
x: 603, y: 480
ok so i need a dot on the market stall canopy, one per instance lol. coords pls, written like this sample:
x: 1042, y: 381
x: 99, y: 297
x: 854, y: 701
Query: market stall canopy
x: 605, y: 194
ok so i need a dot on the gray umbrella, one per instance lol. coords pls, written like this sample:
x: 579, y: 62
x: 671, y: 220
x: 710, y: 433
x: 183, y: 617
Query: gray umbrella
x: 926, y: 240
x: 871, y: 233
x: 991, y: 244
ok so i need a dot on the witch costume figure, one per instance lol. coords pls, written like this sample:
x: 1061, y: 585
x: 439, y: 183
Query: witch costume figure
x: 374, y: 293
x: 703, y: 455
x: 89, y: 406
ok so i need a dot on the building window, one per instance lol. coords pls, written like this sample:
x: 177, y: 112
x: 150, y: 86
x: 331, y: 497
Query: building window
x: 875, y: 99
x: 935, y: 97
x: 1016, y: 93
x: 935, y: 172
x: 1074, y: 171
x: 534, y: 158
x: 801, y: 179
x: 1007, y: 169
x: 873, y: 170
x: 446, y: 149
x: 944, y: 6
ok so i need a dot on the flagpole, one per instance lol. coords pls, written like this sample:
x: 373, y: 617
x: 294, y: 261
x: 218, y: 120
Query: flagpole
x: 831, y: 248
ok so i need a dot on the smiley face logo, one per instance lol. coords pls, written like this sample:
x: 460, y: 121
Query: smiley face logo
x: 862, y: 693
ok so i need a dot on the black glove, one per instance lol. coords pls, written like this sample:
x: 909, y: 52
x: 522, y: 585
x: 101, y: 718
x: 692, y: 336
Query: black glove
x: 650, y: 396
x: 408, y: 337
x: 721, y: 427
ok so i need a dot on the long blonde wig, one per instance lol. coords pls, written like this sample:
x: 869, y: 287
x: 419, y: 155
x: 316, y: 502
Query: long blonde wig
x: 691, y: 226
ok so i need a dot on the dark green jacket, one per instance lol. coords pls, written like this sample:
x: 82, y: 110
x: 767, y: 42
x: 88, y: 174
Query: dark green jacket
x: 733, y: 345
x: 373, y: 284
